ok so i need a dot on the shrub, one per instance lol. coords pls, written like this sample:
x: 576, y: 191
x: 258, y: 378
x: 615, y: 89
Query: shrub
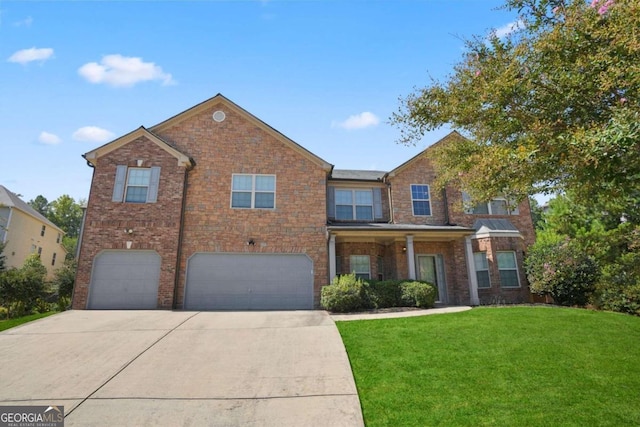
x: 345, y: 293
x: 563, y: 270
x: 619, y: 286
x: 418, y: 294
x: 20, y: 289
x: 386, y: 293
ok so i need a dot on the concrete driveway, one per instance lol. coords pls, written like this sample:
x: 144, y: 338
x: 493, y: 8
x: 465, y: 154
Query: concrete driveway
x: 162, y: 368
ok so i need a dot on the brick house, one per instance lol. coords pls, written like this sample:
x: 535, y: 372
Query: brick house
x: 214, y: 209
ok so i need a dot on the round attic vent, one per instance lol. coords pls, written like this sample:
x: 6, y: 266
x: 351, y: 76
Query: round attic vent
x: 218, y: 116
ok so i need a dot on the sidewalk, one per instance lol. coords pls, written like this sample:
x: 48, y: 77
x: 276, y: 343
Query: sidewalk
x: 395, y: 314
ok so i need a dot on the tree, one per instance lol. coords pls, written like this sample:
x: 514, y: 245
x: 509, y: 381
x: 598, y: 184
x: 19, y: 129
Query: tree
x: 553, y: 106
x: 21, y: 289
x: 66, y: 214
x: 40, y: 204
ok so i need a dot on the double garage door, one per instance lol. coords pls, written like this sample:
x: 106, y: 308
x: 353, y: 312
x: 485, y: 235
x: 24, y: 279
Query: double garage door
x: 215, y: 281
x: 227, y: 281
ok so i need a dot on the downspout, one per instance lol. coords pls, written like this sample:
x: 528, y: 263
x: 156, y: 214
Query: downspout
x: 81, y: 239
x: 391, y: 218
x: 183, y: 208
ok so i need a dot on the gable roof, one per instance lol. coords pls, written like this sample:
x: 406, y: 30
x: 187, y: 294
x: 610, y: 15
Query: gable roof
x: 220, y: 99
x: 451, y: 136
x: 11, y: 200
x: 93, y: 155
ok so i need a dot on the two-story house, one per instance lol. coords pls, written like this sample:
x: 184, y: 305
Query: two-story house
x: 214, y: 209
x: 24, y: 231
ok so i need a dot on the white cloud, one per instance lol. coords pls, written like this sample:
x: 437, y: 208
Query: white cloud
x: 34, y: 54
x: 358, y: 121
x: 509, y: 28
x: 92, y: 134
x: 49, y: 138
x: 123, y: 71
x: 24, y: 23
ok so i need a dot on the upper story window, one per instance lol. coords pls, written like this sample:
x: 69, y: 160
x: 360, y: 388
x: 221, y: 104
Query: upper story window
x: 420, y: 200
x: 496, y: 206
x: 354, y: 204
x: 58, y: 238
x: 44, y: 227
x: 136, y: 185
x: 253, y: 191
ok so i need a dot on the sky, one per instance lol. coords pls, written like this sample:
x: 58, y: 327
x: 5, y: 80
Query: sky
x: 75, y: 75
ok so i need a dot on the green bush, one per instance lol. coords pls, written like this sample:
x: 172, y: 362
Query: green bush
x: 345, y: 293
x: 563, y: 270
x: 619, y: 286
x: 418, y: 294
x: 385, y: 293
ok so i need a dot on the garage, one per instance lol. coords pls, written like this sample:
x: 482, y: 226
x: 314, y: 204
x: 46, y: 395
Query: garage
x: 231, y: 281
x: 125, y: 280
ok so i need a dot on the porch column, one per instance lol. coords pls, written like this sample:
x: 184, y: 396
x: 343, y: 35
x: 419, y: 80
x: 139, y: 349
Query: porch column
x: 471, y: 267
x: 332, y: 257
x: 411, y: 259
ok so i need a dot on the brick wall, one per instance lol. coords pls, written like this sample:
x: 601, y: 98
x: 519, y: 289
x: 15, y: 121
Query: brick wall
x: 155, y: 225
x: 239, y: 145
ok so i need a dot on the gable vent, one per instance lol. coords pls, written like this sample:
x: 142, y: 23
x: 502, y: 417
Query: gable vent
x: 219, y: 116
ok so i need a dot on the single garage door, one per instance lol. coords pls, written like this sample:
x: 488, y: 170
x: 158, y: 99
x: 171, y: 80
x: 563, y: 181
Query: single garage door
x: 125, y: 280
x: 223, y: 281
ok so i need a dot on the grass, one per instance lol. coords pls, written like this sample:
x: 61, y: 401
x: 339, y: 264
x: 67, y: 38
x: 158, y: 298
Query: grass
x: 533, y: 366
x: 12, y: 323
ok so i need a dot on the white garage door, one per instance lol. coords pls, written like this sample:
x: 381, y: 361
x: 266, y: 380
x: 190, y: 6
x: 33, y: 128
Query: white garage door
x: 125, y: 280
x: 222, y: 281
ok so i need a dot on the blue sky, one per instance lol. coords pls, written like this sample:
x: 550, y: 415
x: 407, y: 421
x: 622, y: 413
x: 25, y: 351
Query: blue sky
x: 328, y: 74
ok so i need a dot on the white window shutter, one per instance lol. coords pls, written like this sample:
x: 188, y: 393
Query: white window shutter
x: 154, y: 180
x: 118, y: 188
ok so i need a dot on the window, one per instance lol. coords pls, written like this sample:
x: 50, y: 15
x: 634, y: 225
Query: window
x: 508, y: 269
x: 136, y: 185
x: 380, y: 268
x: 253, y: 191
x: 58, y: 238
x: 420, y: 200
x: 496, y: 206
x: 44, y: 227
x: 354, y: 204
x: 53, y: 260
x: 482, y: 269
x: 360, y: 266
x: 39, y: 252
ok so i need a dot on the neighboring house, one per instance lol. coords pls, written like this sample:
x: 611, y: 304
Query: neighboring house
x: 24, y: 231
x: 214, y: 209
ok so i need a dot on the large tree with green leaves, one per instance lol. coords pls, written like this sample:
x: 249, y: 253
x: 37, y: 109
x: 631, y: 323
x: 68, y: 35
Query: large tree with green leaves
x: 553, y: 106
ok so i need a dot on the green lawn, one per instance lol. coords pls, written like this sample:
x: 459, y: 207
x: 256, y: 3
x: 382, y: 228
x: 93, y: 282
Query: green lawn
x: 12, y: 323
x: 527, y: 366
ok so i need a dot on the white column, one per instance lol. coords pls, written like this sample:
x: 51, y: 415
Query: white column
x: 411, y: 259
x: 332, y: 257
x: 471, y: 267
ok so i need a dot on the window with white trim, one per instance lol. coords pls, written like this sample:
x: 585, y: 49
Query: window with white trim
x: 354, y: 204
x: 508, y: 268
x: 496, y: 206
x: 44, y: 227
x: 53, y: 259
x: 138, y: 180
x: 482, y: 269
x: 136, y: 185
x: 361, y: 266
x: 420, y: 200
x: 253, y: 191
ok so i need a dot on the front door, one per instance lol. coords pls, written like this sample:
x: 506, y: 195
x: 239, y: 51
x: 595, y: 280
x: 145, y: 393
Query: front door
x: 431, y: 270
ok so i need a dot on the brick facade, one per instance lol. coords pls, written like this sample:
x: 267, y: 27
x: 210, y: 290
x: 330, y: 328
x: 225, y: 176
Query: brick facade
x: 193, y: 212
